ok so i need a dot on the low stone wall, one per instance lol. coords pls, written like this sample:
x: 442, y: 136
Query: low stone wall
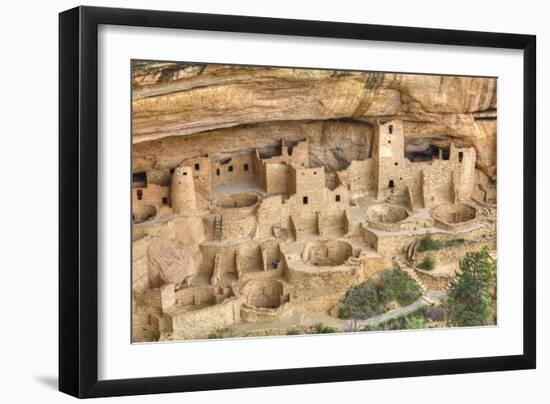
x: 400, y: 226
x: 455, y: 253
x: 199, y: 323
x: 252, y: 314
x: 312, y: 304
x: 434, y: 281
x: 322, y: 282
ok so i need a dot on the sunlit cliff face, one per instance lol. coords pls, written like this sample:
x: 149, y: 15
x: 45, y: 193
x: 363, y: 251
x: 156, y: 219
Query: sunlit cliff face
x: 172, y: 100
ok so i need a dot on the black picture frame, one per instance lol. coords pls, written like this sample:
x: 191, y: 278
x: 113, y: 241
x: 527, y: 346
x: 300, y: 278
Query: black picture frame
x: 78, y: 200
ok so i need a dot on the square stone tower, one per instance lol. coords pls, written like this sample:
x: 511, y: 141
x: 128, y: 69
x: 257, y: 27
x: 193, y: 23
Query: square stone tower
x: 389, y: 156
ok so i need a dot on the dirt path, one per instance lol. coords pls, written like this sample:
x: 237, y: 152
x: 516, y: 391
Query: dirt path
x: 305, y: 320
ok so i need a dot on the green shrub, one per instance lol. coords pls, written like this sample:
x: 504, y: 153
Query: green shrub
x: 219, y: 333
x: 428, y: 243
x: 434, y: 313
x: 428, y: 263
x: 414, y: 323
x: 372, y: 297
x: 322, y: 329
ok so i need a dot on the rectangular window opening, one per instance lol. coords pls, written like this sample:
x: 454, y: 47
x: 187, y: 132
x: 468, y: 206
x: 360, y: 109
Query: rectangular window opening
x: 139, y: 179
x: 305, y: 200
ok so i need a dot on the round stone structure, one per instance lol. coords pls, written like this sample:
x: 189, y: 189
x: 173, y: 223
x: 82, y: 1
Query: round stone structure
x: 454, y: 216
x: 327, y: 253
x: 236, y: 204
x: 386, y: 213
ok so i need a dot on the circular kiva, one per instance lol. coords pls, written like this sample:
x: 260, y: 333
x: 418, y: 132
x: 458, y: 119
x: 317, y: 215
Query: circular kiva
x: 454, y: 213
x: 385, y: 213
x: 327, y: 253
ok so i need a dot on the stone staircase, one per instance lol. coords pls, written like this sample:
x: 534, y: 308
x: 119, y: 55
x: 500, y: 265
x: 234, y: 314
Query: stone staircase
x: 412, y: 273
x: 218, y: 228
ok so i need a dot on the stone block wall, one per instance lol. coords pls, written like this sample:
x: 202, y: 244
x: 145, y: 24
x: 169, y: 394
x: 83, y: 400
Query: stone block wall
x: 276, y: 178
x: 199, y: 323
x: 359, y: 177
x: 140, y: 277
x: 304, y: 224
x: 269, y: 214
x: 238, y: 167
x: 332, y: 223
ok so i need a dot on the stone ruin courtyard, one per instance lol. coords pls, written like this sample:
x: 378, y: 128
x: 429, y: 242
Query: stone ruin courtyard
x: 236, y: 239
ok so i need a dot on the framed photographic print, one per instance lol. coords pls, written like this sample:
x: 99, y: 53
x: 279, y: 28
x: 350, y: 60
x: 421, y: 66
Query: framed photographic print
x: 250, y: 201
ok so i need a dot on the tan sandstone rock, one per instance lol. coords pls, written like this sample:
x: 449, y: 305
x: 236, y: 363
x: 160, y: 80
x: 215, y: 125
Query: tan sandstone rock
x: 168, y: 262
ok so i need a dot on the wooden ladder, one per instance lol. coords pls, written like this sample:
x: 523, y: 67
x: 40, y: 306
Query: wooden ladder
x: 218, y: 227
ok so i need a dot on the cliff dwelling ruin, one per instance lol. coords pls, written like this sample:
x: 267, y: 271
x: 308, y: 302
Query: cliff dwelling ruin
x: 257, y: 228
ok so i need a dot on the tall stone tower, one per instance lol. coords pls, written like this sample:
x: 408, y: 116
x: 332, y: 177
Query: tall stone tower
x: 388, y: 156
x: 183, y: 190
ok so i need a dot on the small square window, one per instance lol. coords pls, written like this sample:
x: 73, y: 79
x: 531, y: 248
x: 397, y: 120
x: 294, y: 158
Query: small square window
x: 165, y: 201
x: 197, y: 166
x: 230, y: 169
x: 246, y: 167
x: 139, y: 194
x: 396, y: 163
x: 172, y: 170
x: 217, y: 171
x: 185, y: 173
x: 337, y: 198
x: 305, y: 200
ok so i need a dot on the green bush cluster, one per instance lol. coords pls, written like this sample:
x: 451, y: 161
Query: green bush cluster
x: 219, y: 333
x: 373, y: 296
x: 428, y: 243
x: 428, y: 263
x: 320, y: 328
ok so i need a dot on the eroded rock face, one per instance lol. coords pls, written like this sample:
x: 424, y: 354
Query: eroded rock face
x: 168, y: 262
x: 347, y: 141
x: 178, y: 99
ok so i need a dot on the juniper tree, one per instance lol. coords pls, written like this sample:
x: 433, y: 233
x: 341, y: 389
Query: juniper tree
x: 469, y: 299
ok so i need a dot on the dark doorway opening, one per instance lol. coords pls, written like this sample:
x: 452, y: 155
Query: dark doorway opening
x: 139, y: 180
